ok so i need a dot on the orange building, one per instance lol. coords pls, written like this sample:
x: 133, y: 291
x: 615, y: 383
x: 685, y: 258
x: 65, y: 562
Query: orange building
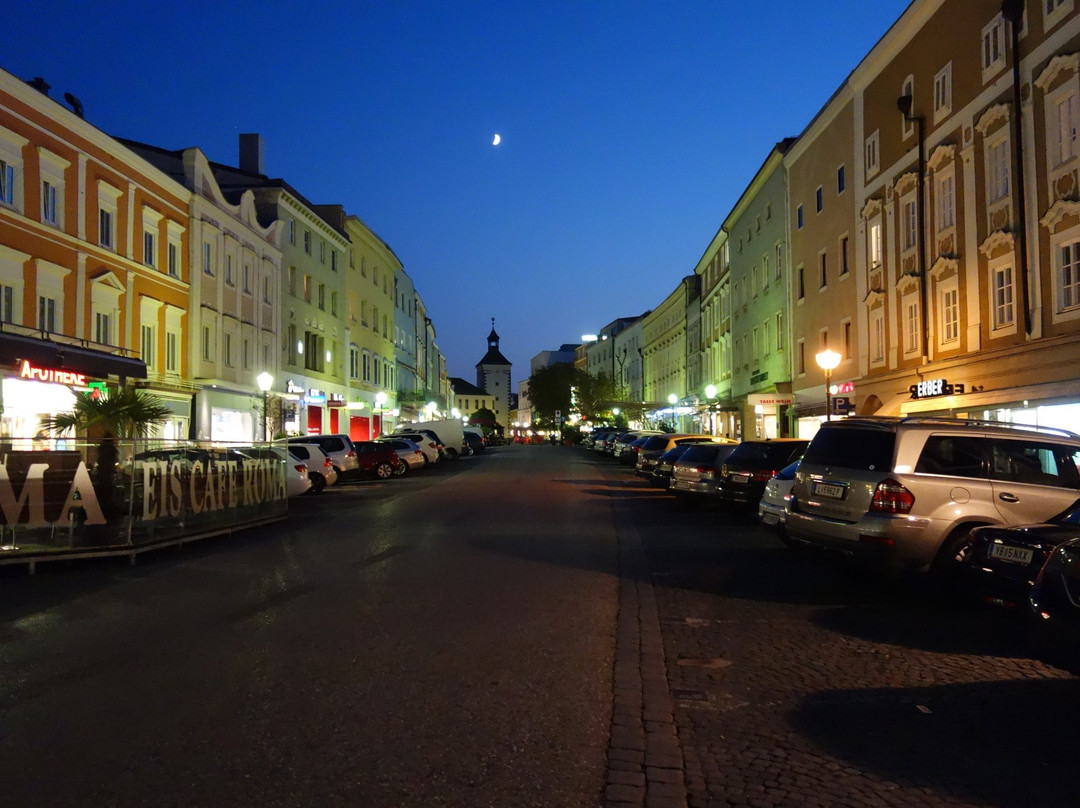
x: 93, y: 265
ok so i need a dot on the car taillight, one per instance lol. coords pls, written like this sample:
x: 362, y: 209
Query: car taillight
x: 301, y: 468
x: 762, y: 476
x: 328, y: 463
x: 352, y: 453
x: 708, y: 474
x: 891, y: 497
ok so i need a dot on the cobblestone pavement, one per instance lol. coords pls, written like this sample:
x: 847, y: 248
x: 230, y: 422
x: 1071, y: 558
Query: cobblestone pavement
x: 796, y: 680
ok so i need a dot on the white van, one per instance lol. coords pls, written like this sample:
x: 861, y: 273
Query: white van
x: 450, y: 432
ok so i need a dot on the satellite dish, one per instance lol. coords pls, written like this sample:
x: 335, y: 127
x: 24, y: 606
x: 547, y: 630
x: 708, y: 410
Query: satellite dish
x: 76, y: 104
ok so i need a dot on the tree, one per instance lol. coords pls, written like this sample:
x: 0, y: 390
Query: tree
x: 562, y: 388
x: 125, y: 413
x: 485, y: 419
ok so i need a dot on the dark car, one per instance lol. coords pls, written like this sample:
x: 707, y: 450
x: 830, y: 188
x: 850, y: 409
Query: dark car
x: 656, y: 445
x: 1055, y: 607
x: 696, y: 474
x: 747, y: 470
x: 377, y: 458
x: 1002, y: 562
x: 474, y: 442
x: 628, y: 454
x: 661, y: 473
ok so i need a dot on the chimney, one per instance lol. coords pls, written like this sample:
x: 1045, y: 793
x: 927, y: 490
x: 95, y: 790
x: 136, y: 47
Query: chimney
x: 252, y: 157
x: 39, y: 84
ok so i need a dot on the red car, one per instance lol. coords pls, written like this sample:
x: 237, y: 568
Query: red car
x: 379, y: 459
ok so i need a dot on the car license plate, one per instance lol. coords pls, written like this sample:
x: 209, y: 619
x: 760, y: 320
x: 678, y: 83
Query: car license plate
x: 828, y: 490
x: 770, y: 518
x: 740, y: 478
x: 1008, y: 552
x: 682, y: 485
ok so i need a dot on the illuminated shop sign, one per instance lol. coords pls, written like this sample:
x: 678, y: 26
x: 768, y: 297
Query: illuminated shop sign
x: 931, y: 388
x: 51, y: 375
x: 315, y: 396
x: 293, y: 387
x: 335, y: 400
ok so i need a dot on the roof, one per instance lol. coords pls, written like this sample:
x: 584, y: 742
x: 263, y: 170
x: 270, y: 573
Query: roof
x: 464, y: 388
x: 493, y: 357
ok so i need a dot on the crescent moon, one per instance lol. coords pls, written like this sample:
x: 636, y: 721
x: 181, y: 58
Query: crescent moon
x: 497, y: 140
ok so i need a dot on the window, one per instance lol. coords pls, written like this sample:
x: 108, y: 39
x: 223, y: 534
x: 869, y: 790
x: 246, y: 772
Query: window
x: 291, y: 343
x: 911, y: 323
x: 322, y: 251
x: 149, y: 248
x: 1066, y: 119
x: 950, y: 315
x: 174, y: 260
x: 800, y: 357
x: 871, y: 155
x: 798, y: 217
x: 7, y: 183
x: 247, y: 279
x: 818, y: 199
x: 207, y: 344
x: 1001, y: 297
x: 49, y: 209
x: 844, y: 261
x: 946, y: 202
x: 228, y: 270
x: 307, y: 288
x: 823, y: 270
x: 322, y: 297
x: 172, y: 353
x: 877, y: 336
x: 102, y: 332
x: 307, y: 242
x: 841, y: 182
x: 779, y: 257
x: 354, y: 362
x: 333, y: 260
x: 993, y: 46
x: 7, y: 304
x: 266, y: 289
x: 909, y: 223
x: 106, y: 232
x: 1054, y: 11
x: 943, y: 92
x: 333, y: 303
x: 800, y: 289
x: 207, y: 265
x: 765, y: 271
x: 907, y: 123
x: 227, y: 355
x: 874, y: 244
x: 290, y: 230
x: 292, y: 280
x: 46, y: 313
x: 149, y: 346
x: 1069, y: 277
x: 778, y: 327
x: 997, y: 169
x: 246, y: 355
x: 845, y: 335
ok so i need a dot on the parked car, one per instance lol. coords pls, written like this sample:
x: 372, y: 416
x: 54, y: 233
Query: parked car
x: 320, y: 468
x: 1055, y: 607
x: 626, y: 438
x: 428, y: 445
x: 297, y: 481
x: 474, y: 442
x: 661, y: 473
x: 655, y: 445
x: 409, y: 453
x: 377, y: 458
x: 906, y: 492
x: 745, y: 471
x: 339, y: 448
x: 772, y: 508
x: 695, y: 475
x: 629, y: 452
x: 1003, y: 562
x: 604, y: 444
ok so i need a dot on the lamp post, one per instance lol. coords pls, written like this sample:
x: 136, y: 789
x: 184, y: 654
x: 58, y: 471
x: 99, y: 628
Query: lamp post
x: 710, y: 394
x: 827, y: 360
x: 265, y: 382
x: 380, y: 399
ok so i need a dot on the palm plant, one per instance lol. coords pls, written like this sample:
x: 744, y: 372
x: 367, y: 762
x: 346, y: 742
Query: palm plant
x: 125, y: 413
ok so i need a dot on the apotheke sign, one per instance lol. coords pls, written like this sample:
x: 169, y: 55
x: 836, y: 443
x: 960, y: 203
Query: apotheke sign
x: 51, y: 375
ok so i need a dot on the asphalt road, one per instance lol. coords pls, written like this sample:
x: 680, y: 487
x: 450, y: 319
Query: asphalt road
x: 443, y: 639
x: 463, y: 638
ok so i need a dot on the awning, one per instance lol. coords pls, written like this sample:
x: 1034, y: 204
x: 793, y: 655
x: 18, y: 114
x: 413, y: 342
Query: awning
x: 62, y: 356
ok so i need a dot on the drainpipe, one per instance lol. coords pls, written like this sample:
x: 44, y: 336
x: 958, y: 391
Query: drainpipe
x: 1013, y: 11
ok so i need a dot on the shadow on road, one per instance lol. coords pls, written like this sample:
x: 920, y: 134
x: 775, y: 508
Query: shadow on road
x: 993, y: 743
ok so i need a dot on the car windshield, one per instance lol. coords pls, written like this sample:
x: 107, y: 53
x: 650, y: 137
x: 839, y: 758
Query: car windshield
x: 655, y: 442
x: 700, y: 453
x: 858, y: 448
x: 788, y: 472
x: 675, y: 452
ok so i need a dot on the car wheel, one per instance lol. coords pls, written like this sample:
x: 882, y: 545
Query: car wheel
x: 318, y: 482
x: 384, y: 471
x: 401, y: 470
x: 945, y: 569
x: 452, y: 453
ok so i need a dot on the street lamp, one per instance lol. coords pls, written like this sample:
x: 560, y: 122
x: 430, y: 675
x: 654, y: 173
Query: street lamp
x: 827, y: 360
x: 265, y: 382
x: 380, y: 399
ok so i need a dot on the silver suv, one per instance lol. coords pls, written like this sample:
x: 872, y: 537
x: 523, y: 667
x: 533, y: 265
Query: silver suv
x: 905, y: 492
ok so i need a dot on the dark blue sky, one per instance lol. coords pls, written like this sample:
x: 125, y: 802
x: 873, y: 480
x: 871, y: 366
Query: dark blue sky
x: 629, y: 129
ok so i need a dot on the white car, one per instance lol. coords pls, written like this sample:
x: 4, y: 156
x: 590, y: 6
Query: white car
x: 320, y: 468
x: 425, y: 443
x: 773, y: 508
x: 410, y: 453
x: 297, y: 481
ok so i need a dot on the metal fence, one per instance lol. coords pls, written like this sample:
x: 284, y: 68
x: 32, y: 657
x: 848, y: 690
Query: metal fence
x: 84, y: 498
